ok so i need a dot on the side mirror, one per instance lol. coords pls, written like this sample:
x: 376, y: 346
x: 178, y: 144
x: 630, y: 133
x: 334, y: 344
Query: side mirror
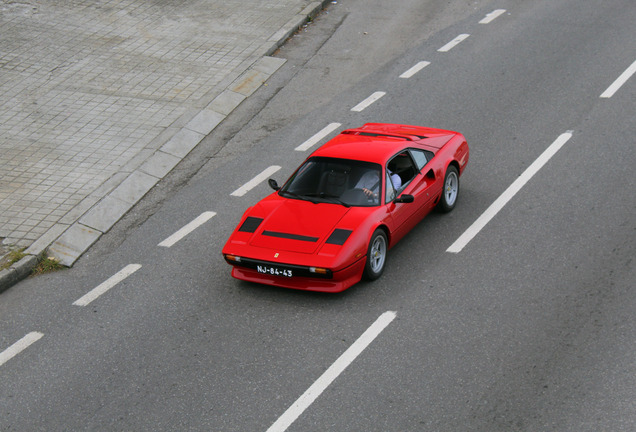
x: 404, y: 199
x: 273, y: 184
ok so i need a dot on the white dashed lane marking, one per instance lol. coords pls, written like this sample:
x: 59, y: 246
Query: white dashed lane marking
x: 319, y: 136
x: 368, y: 101
x: 319, y: 386
x: 200, y: 220
x: 508, y: 194
x: 492, y: 15
x: 106, y: 285
x: 622, y: 79
x: 255, y: 181
x: 19, y: 346
x: 415, y: 69
x: 452, y: 44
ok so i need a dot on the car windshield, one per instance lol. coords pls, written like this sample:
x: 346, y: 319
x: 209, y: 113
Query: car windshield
x: 339, y: 181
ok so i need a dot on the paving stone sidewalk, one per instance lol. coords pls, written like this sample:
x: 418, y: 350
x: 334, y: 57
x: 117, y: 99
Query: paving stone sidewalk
x: 101, y: 99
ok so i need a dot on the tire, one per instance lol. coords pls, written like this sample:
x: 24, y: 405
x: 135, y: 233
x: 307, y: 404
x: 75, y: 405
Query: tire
x: 376, y: 255
x: 450, y: 192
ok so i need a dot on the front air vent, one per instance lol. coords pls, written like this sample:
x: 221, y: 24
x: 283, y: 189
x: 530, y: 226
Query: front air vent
x: 289, y: 236
x: 339, y: 236
x: 250, y: 224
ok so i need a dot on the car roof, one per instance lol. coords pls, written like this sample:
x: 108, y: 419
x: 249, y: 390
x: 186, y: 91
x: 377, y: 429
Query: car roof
x: 378, y: 142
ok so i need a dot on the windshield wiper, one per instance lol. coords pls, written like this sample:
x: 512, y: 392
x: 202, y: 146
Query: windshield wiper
x: 331, y: 198
x: 297, y: 196
x: 337, y: 200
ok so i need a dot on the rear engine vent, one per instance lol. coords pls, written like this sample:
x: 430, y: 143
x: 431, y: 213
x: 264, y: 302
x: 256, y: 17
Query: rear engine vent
x: 379, y: 134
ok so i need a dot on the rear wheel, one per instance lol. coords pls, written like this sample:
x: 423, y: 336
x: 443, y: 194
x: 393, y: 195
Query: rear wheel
x: 451, y: 190
x: 376, y: 255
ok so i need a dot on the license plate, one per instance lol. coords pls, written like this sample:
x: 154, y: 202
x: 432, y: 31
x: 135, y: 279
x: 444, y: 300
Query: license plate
x: 274, y: 271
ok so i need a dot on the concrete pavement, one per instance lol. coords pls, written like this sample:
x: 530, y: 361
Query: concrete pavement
x: 100, y: 100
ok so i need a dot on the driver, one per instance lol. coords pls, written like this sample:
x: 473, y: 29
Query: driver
x: 370, y: 182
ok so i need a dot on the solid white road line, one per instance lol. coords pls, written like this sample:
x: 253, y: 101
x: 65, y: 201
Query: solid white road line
x: 312, y: 393
x: 415, y: 69
x: 19, y: 346
x: 494, y: 208
x: 106, y: 285
x: 452, y: 44
x: 255, y: 181
x: 316, y: 138
x: 174, y: 238
x: 491, y: 16
x: 368, y: 101
x: 619, y: 81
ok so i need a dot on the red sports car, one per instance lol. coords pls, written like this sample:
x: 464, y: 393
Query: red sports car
x: 333, y: 221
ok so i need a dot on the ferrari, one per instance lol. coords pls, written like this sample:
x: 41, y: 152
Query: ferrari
x: 332, y: 223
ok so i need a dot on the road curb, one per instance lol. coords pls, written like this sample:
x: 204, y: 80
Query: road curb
x: 95, y: 215
x: 18, y: 271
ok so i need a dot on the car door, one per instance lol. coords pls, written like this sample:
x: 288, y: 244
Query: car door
x: 427, y: 185
x: 410, y: 166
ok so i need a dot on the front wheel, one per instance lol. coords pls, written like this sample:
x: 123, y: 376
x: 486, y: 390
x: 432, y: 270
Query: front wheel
x: 451, y: 190
x: 376, y: 255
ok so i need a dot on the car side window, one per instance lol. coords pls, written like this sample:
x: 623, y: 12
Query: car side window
x: 421, y: 158
x: 391, y: 193
x: 401, y: 170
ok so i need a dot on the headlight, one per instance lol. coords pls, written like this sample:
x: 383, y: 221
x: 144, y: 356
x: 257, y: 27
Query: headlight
x: 232, y: 258
x: 319, y: 270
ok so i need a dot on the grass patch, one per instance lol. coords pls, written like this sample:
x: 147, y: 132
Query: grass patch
x: 11, y: 258
x: 47, y: 265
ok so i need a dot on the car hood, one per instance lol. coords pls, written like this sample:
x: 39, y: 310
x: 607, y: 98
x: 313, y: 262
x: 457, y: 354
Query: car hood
x: 295, y: 225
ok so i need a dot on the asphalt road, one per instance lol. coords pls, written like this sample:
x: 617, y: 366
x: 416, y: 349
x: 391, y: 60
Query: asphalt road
x: 530, y: 326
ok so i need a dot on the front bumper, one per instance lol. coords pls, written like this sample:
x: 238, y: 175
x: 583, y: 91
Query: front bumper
x: 302, y: 278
